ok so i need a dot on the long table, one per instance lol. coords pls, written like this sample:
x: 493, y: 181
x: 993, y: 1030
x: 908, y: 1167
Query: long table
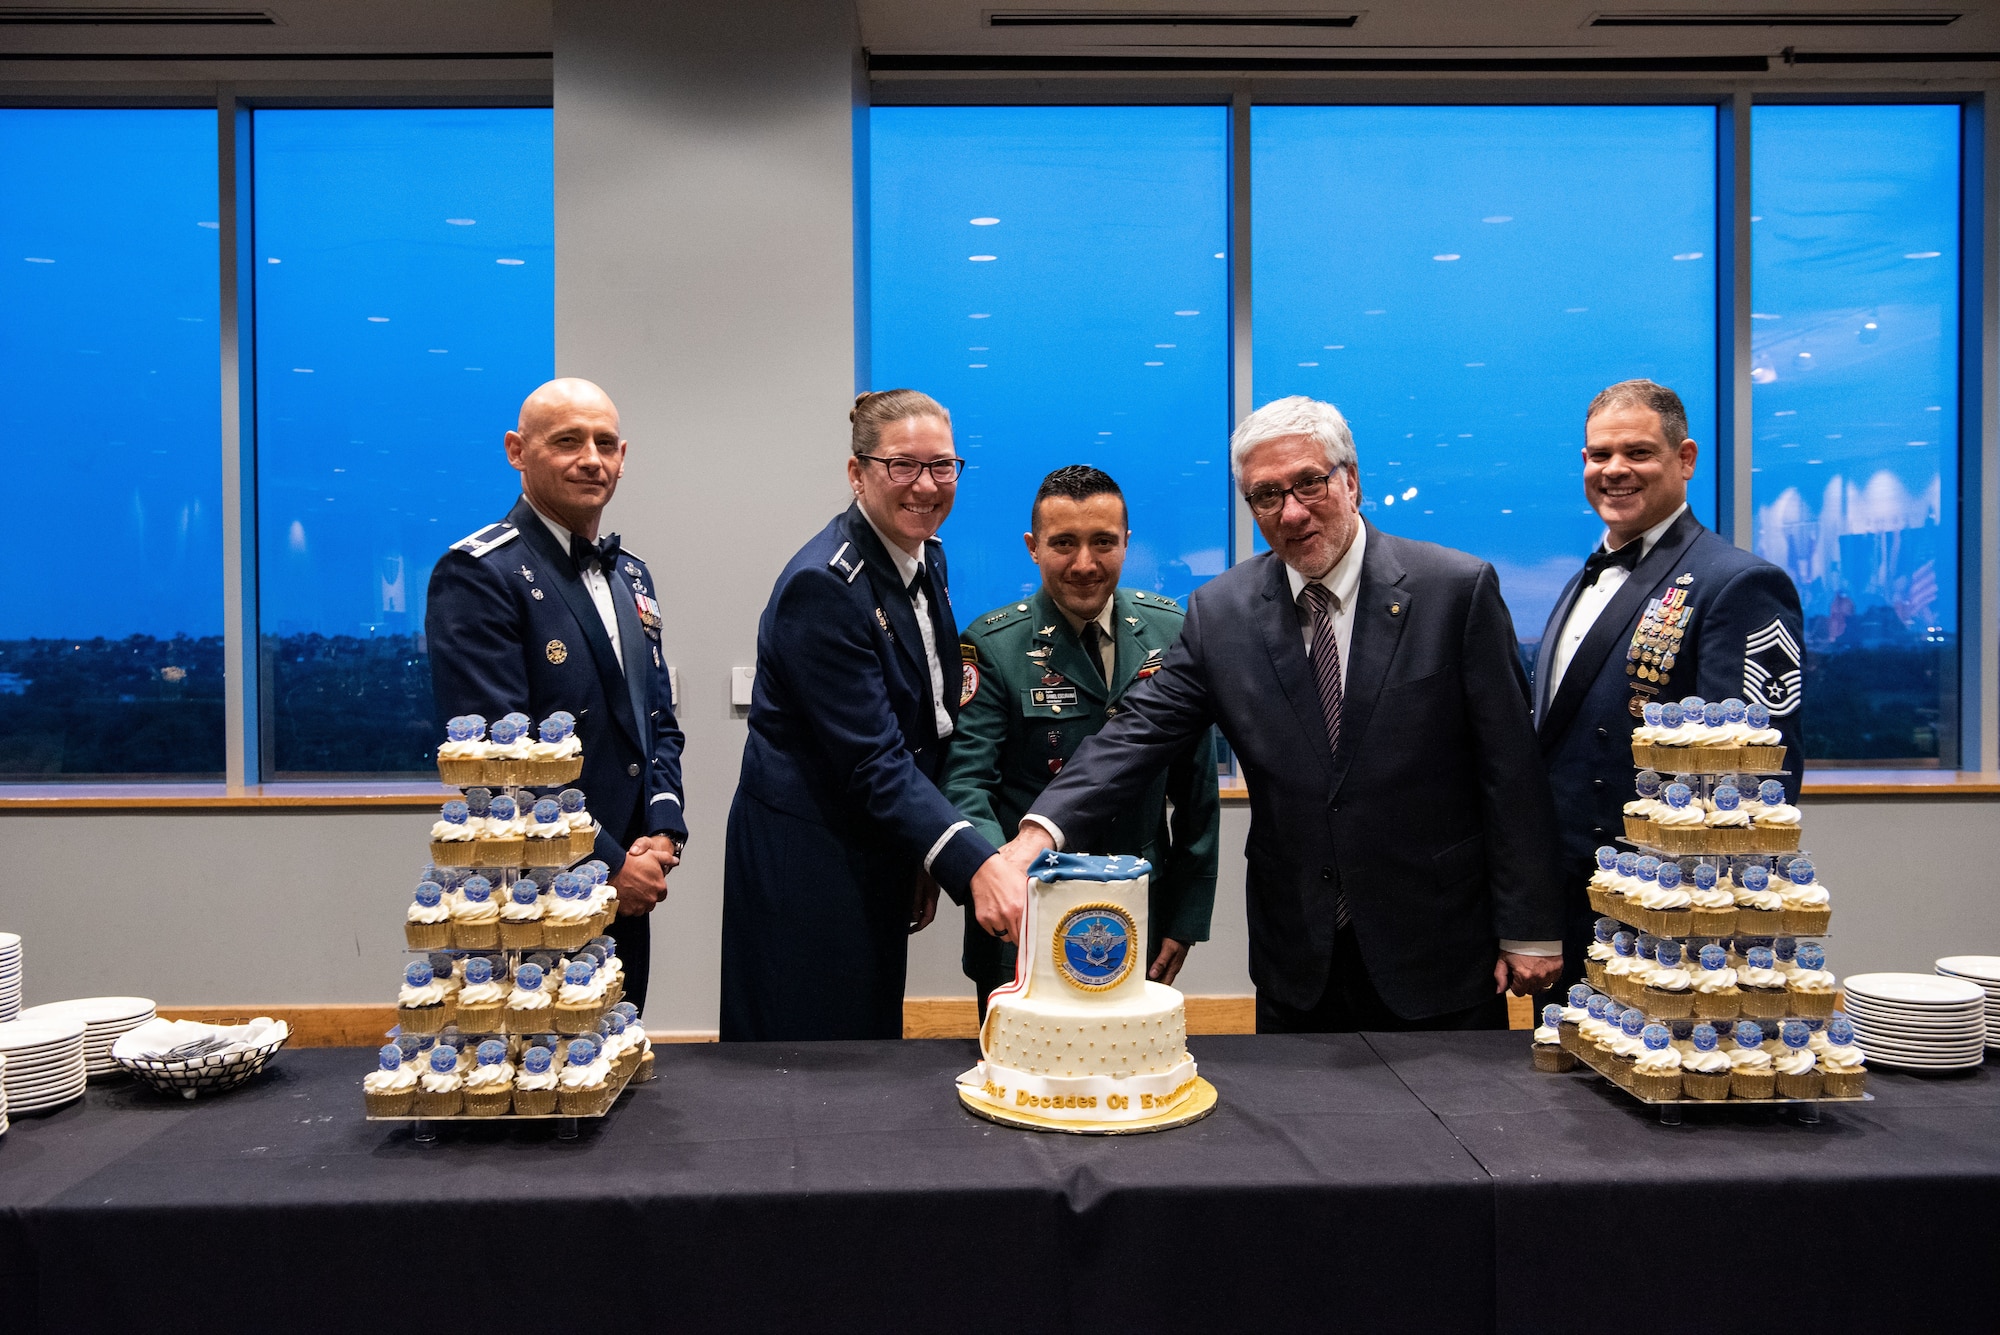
x: 1363, y: 1183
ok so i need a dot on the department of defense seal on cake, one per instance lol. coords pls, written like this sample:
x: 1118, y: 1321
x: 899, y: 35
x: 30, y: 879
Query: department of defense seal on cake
x: 1081, y: 1040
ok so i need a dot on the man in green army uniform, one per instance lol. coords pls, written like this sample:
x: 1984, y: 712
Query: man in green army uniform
x: 1041, y: 675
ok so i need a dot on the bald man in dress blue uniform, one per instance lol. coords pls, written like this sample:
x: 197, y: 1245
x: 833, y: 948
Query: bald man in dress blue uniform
x: 538, y: 613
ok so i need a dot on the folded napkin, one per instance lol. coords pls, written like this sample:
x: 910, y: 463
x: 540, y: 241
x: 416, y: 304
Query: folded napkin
x: 186, y: 1040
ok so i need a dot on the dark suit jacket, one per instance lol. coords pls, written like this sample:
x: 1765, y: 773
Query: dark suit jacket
x: 1434, y: 817
x: 496, y: 647
x: 1743, y: 632
x: 837, y: 804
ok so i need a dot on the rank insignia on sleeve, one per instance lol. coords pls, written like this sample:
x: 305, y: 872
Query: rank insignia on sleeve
x: 997, y: 616
x: 557, y: 651
x: 968, y: 653
x: 1771, y: 675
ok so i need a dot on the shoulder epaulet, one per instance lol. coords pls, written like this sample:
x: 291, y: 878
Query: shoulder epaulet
x: 490, y: 538
x: 1155, y: 600
x: 999, y: 616
x: 848, y: 566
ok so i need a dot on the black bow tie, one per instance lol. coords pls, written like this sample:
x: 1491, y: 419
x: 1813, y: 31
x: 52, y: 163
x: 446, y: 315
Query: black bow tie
x: 600, y: 555
x: 1601, y: 560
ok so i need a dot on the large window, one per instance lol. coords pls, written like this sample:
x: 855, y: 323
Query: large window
x: 111, y: 624
x: 1057, y: 277
x: 405, y: 302
x: 1460, y: 281
x: 1854, y: 274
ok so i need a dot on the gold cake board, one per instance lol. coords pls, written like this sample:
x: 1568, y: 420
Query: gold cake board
x: 1199, y: 1103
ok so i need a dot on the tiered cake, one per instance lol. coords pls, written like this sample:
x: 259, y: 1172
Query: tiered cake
x: 1700, y: 988
x: 515, y: 1007
x: 1081, y: 1040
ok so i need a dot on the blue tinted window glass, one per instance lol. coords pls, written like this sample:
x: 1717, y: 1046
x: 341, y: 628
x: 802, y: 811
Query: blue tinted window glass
x: 111, y: 625
x: 1055, y: 277
x: 1461, y: 281
x: 1854, y: 283
x: 405, y: 306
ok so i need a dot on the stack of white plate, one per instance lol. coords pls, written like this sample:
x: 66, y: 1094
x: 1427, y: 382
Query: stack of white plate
x: 1985, y: 971
x: 10, y: 976
x: 44, y: 1063
x: 3, y: 1093
x: 104, y: 1019
x: 1920, y: 1021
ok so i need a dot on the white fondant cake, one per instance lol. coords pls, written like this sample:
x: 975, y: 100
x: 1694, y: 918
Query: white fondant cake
x: 1081, y: 1035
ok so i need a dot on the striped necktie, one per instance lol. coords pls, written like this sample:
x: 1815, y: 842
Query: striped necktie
x: 1317, y: 599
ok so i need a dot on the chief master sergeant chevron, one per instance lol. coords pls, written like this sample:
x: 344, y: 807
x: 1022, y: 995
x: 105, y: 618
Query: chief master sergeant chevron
x: 536, y: 614
x: 1043, y: 674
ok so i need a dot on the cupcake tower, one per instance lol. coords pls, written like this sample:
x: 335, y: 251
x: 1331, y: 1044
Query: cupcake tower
x: 515, y: 1006
x: 1700, y: 986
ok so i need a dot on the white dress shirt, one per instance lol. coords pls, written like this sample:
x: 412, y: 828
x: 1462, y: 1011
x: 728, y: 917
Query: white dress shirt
x: 1591, y: 602
x: 595, y: 584
x: 1343, y: 582
x: 907, y: 567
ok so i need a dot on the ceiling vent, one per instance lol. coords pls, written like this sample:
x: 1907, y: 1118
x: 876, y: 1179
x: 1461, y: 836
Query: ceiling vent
x: 1162, y: 18
x: 1803, y: 18
x: 131, y: 16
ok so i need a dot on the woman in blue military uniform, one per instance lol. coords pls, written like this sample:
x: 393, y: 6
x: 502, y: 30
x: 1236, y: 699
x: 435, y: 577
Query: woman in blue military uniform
x: 839, y: 838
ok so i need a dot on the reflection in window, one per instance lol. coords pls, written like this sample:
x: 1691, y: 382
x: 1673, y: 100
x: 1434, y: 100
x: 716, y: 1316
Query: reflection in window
x: 1461, y: 281
x: 111, y: 625
x: 1854, y: 287
x: 1056, y: 277
x: 405, y: 307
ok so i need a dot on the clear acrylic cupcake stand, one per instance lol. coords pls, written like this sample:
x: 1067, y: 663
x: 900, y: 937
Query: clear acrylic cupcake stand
x: 1773, y: 850
x: 530, y: 865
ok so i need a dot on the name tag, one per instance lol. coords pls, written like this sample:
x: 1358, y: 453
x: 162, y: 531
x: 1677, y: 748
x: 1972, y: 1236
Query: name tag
x: 1053, y: 695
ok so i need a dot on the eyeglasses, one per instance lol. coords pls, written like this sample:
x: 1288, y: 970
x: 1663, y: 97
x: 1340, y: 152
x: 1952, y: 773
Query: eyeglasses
x: 903, y: 470
x: 1269, y: 500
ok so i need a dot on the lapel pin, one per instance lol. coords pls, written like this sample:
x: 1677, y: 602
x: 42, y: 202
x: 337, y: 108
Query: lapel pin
x: 1685, y: 580
x: 536, y: 593
x: 1131, y: 621
x: 1395, y: 609
x: 527, y: 574
x: 1046, y: 630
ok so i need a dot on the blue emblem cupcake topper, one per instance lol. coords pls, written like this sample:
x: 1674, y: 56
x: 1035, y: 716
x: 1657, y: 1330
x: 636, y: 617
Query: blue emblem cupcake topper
x: 430, y: 894
x: 570, y: 799
x: 1727, y: 798
x: 1711, y: 713
x: 1632, y: 1022
x: 410, y: 1044
x: 506, y: 732
x: 1749, y: 1034
x: 1771, y: 793
x: 1607, y: 857
x: 517, y: 718
x: 582, y: 1051
x: 503, y: 808
x: 1733, y: 710
x: 477, y: 722
x: 1668, y: 953
x: 492, y: 1052
x: 1812, y: 956
x: 1671, y: 716
x: 608, y: 944
x: 1758, y: 717
x: 1795, y: 1034
x: 1656, y: 1037
x: 553, y: 729
x: 478, y: 969
x: 1623, y: 944
x: 1648, y: 783
x: 1651, y: 713
x: 1704, y: 1038
x: 1552, y: 1015
x: 1704, y: 875
x: 1692, y: 705
x: 1649, y: 868
x: 1800, y: 871
x: 611, y: 1023
x: 1714, y: 956
x: 1839, y: 1030
x: 444, y: 1059
x: 1645, y: 942
x: 477, y: 890
x: 1784, y: 948
x: 528, y: 977
x: 577, y: 972
x: 1756, y: 879
x: 1760, y: 957
x: 1678, y: 795
x: 1670, y: 875
x: 536, y: 1060
x: 628, y: 1010
x: 525, y: 892
x: 1604, y: 930
x: 479, y: 800
x: 567, y: 886
x: 390, y: 1057
x: 458, y: 729
x: 547, y: 811
x: 1628, y: 864
x: 455, y: 812
x: 1595, y: 1006
x: 568, y: 719
x: 417, y: 973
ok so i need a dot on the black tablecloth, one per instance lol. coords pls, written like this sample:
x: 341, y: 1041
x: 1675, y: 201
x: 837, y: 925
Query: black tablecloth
x: 1425, y: 1182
